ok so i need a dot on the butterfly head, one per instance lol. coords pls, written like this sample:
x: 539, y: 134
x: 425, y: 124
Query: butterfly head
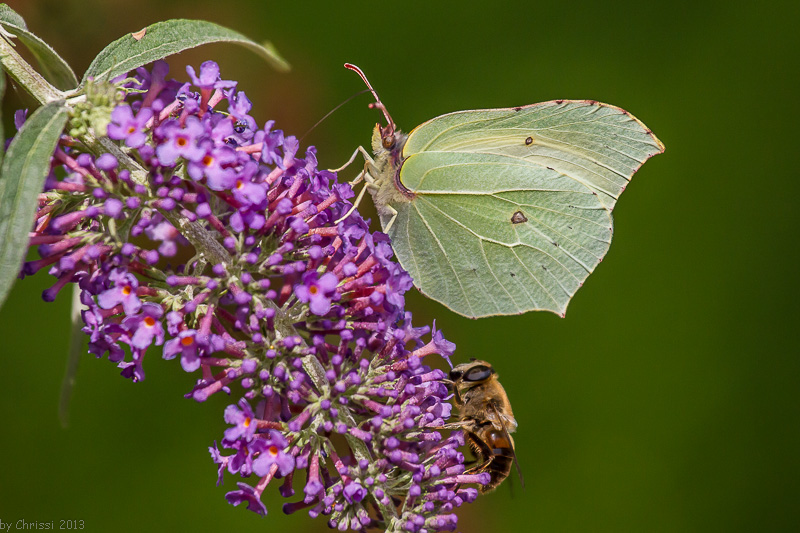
x: 388, y: 140
x: 384, y: 138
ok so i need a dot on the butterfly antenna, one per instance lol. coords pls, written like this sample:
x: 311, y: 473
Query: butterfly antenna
x: 378, y: 102
x: 329, y: 113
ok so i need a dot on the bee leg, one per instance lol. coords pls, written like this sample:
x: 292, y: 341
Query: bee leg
x: 363, y: 152
x: 457, y: 396
x: 480, y: 468
x: 453, y: 425
x: 484, y: 456
x: 467, y: 424
x: 483, y: 451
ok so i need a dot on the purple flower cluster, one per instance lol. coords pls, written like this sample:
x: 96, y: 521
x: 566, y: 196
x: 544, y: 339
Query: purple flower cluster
x: 219, y: 242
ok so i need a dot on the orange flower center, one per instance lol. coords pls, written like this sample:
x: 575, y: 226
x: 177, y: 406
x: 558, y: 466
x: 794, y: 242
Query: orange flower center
x: 273, y: 450
x: 187, y: 341
x: 126, y: 290
x: 149, y: 322
x: 208, y: 160
x: 313, y: 289
x: 181, y: 141
x: 247, y: 422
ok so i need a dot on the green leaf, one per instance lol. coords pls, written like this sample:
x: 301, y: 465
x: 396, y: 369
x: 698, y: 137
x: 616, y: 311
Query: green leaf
x: 166, y: 38
x: 53, y: 67
x: 8, y: 15
x: 24, y: 170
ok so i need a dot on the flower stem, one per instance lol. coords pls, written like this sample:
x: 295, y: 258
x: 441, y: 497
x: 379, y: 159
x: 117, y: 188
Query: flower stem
x: 316, y: 372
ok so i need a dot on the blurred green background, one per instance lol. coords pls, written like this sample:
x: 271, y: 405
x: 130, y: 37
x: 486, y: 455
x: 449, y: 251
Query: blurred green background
x: 667, y: 400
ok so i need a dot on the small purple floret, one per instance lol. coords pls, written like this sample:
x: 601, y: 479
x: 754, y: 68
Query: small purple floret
x: 317, y: 292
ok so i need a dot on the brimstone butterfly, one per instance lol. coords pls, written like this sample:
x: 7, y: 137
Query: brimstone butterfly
x: 504, y: 211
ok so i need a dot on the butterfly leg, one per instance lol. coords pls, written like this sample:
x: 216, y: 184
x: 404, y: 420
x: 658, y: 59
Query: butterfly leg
x: 357, y: 202
x: 393, y: 212
x: 370, y: 185
x: 360, y: 150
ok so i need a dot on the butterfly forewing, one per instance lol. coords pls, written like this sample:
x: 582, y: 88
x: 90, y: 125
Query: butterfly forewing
x: 488, y: 234
x: 503, y: 211
x: 596, y: 144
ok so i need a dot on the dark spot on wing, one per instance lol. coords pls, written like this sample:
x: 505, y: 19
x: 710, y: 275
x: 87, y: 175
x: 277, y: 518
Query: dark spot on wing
x: 544, y: 267
x: 518, y: 218
x: 517, y: 109
x: 529, y: 141
x: 512, y: 274
x: 555, y: 244
x: 570, y: 227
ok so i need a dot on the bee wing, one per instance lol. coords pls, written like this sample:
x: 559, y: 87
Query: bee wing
x: 496, y: 412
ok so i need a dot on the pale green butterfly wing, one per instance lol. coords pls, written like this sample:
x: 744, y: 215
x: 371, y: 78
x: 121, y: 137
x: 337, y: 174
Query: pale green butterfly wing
x: 597, y: 144
x: 494, y: 235
x: 476, y: 175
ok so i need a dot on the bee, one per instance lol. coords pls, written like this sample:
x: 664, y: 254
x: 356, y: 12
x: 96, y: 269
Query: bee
x: 486, y: 418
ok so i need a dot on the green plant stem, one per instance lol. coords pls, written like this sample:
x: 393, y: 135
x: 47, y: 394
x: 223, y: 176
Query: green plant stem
x: 25, y: 75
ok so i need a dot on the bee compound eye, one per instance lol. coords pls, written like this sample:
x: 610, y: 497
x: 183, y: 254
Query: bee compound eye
x: 455, y: 375
x: 388, y: 141
x: 479, y: 373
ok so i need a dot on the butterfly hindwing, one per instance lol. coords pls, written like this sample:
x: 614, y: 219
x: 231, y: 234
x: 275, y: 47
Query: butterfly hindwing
x: 492, y: 235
